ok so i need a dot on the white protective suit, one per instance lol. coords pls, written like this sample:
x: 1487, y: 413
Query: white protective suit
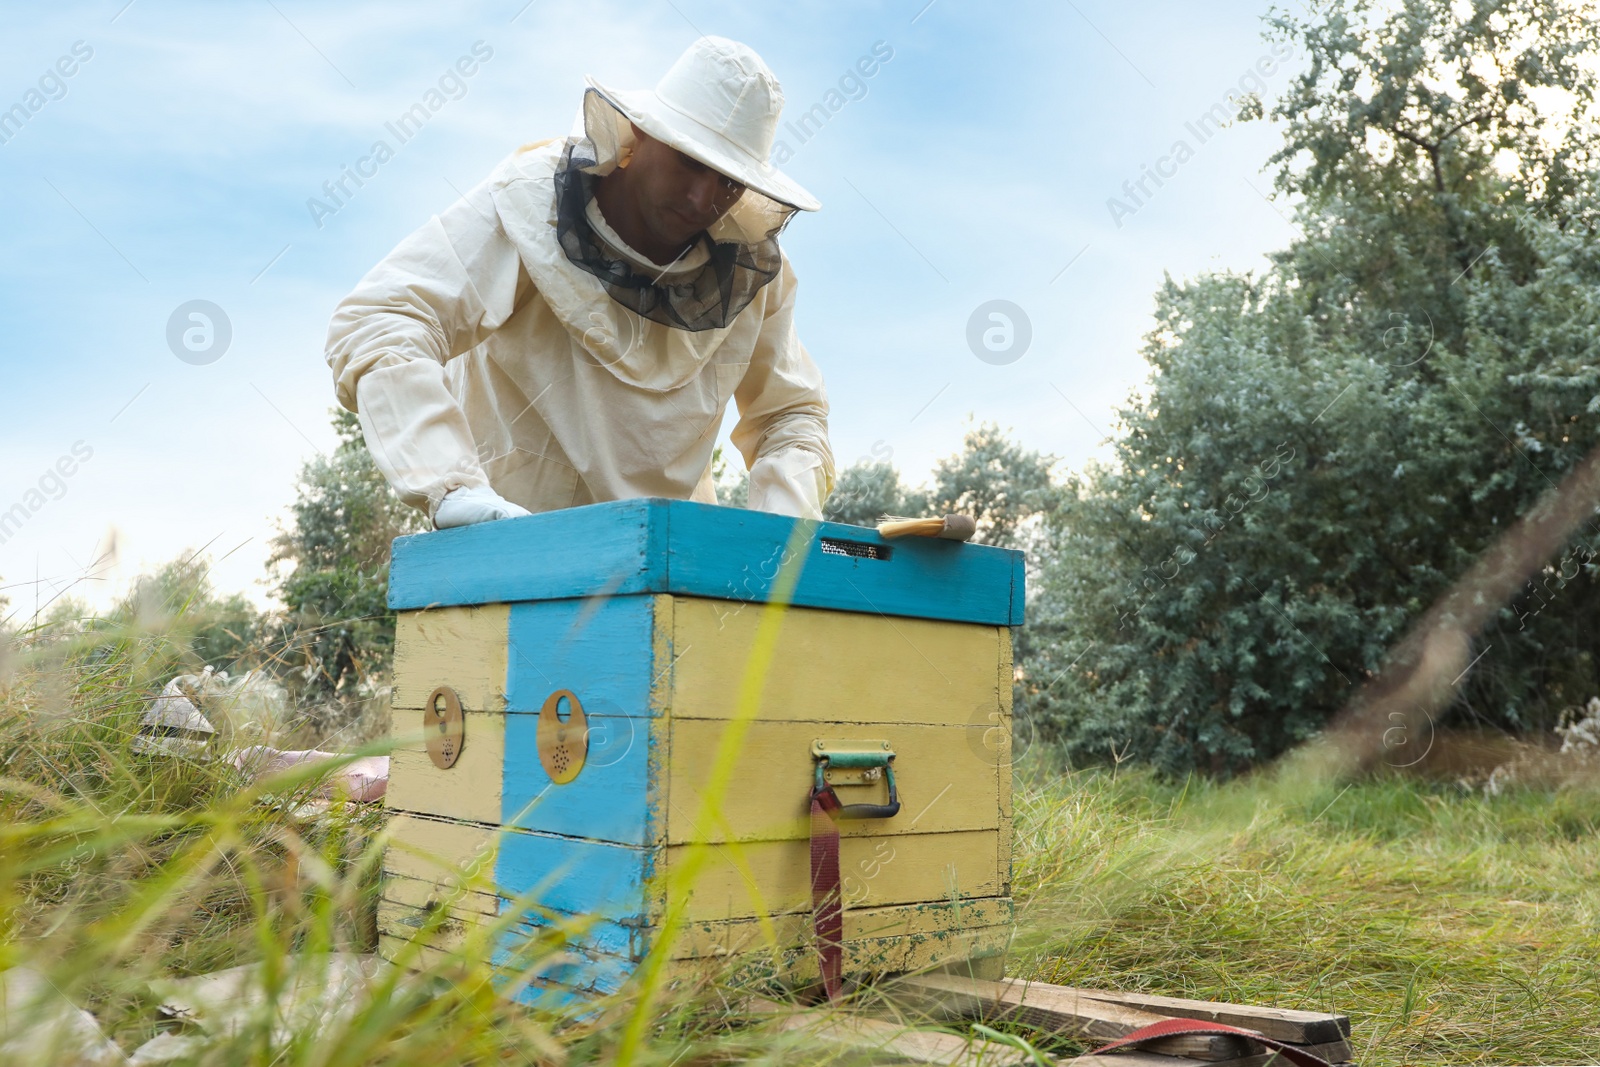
x: 475, y: 353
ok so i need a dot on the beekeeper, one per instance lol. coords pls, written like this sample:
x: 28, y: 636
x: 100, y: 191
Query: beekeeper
x: 571, y: 330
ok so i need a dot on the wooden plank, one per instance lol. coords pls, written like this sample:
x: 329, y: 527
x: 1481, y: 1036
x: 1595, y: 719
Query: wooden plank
x: 736, y: 554
x: 574, y: 974
x: 561, y: 873
x: 1138, y: 1058
x: 470, y: 790
x: 418, y: 894
x: 626, y: 547
x: 574, y: 967
x: 1257, y: 1059
x: 1055, y: 1011
x: 836, y: 667
x: 741, y: 880
x: 442, y: 852
x: 405, y: 921
x: 871, y: 957
x: 464, y: 648
x: 499, y: 780
x: 947, y: 780
x: 1284, y: 1024
x: 577, y: 876
x: 598, y: 648
x: 573, y: 552
x: 908, y: 921
x: 1336, y: 1053
x: 609, y: 800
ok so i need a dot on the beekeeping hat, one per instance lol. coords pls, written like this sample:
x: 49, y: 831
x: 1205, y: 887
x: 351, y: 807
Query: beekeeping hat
x: 719, y: 104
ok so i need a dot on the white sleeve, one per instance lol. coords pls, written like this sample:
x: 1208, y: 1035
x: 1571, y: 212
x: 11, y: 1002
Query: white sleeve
x: 441, y: 292
x: 782, y: 430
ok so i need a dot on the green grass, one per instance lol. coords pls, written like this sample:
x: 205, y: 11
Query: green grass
x: 1453, y: 928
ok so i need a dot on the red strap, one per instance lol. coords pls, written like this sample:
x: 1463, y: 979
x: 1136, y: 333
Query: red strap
x: 1184, y: 1027
x: 827, y: 910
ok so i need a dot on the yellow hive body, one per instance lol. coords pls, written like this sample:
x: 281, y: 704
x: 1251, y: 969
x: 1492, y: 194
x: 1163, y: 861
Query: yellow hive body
x: 908, y: 651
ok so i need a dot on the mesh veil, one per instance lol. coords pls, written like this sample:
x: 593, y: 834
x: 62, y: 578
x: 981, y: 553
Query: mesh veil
x: 741, y: 249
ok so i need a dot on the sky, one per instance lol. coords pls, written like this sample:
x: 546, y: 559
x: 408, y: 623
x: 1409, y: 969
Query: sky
x: 168, y: 153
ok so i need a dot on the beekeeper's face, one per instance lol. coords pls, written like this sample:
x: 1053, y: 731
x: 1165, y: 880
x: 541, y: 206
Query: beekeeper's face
x: 678, y: 196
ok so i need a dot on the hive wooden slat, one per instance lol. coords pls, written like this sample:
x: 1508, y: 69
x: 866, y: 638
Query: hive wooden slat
x: 947, y: 780
x: 835, y: 666
x: 470, y: 791
x: 461, y: 647
x: 751, y: 878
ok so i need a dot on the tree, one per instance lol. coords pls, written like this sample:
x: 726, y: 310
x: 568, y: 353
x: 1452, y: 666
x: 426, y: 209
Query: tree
x: 996, y: 481
x: 866, y: 491
x: 1322, y: 449
x: 338, y: 631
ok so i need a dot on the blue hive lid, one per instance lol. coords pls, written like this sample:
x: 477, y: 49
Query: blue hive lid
x: 629, y: 547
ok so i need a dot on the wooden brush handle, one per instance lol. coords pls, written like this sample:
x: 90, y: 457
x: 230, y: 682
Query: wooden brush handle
x: 950, y: 527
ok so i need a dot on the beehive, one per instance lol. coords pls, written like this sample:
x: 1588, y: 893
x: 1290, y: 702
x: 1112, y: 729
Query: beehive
x: 648, y: 616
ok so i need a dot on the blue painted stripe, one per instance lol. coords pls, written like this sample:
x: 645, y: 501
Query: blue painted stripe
x: 736, y: 554
x: 1019, y: 589
x: 601, y: 935
x: 608, y: 801
x: 573, y: 875
x: 675, y: 546
x: 582, y: 969
x: 600, y: 650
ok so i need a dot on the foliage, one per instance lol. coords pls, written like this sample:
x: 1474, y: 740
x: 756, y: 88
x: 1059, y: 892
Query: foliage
x: 1321, y: 450
x: 994, y: 479
x: 867, y: 491
x: 733, y: 488
x: 338, y: 632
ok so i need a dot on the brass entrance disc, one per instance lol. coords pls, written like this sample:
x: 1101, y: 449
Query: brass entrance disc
x: 444, y: 727
x: 563, y: 745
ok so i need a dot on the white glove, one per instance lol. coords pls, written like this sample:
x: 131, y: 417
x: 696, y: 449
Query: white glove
x: 790, y: 481
x: 468, y: 504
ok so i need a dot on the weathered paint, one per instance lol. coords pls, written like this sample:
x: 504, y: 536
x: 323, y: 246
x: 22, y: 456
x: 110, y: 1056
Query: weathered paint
x: 440, y: 850
x: 407, y: 905
x: 575, y: 875
x: 793, y: 929
x: 969, y: 947
x: 947, y: 780
x: 608, y: 801
x: 674, y: 546
x: 768, y: 877
x: 599, y: 648
x: 833, y: 666
x: 469, y: 791
x: 600, y: 609
x: 464, y: 648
